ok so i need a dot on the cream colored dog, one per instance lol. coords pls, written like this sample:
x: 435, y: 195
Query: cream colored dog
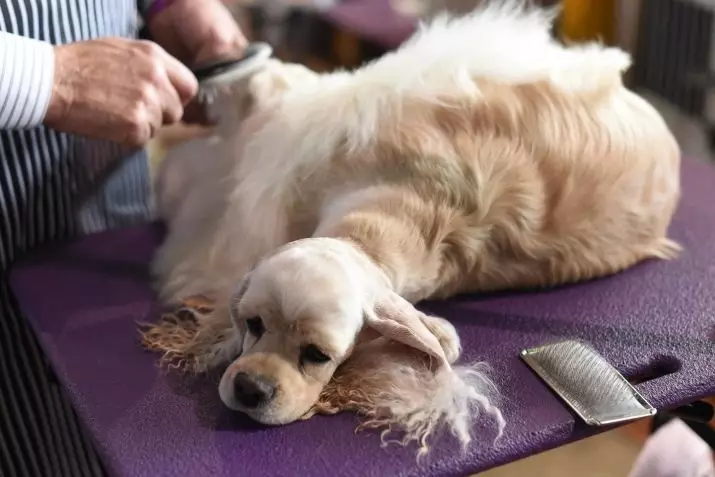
x: 481, y: 155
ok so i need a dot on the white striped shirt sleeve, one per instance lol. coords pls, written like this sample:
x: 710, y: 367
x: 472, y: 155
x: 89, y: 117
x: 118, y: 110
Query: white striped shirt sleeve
x: 27, y: 69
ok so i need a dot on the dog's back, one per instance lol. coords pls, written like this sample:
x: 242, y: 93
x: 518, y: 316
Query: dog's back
x: 523, y: 186
x: 481, y: 155
x: 546, y: 187
x: 510, y: 175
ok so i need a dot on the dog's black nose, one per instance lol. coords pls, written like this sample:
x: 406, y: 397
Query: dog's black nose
x: 252, y: 391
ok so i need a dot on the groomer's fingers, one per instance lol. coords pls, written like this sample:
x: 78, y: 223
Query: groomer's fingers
x: 149, y: 118
x: 180, y: 77
x: 171, y: 103
x: 161, y: 98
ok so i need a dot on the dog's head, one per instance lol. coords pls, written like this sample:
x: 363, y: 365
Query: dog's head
x: 301, y: 314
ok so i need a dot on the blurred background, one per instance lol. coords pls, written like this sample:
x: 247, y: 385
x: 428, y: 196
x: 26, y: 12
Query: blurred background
x: 673, y: 47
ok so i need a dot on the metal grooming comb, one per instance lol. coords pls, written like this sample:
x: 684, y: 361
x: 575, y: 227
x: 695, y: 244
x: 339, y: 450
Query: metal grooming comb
x: 221, y: 72
x: 594, y: 389
x: 220, y: 79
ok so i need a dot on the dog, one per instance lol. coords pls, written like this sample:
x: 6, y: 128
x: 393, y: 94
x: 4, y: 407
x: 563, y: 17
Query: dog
x: 481, y: 155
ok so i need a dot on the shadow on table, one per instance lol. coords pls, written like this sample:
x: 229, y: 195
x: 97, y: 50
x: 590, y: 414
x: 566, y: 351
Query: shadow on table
x: 210, y: 411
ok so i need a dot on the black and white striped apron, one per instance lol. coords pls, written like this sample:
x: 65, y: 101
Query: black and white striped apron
x: 53, y: 186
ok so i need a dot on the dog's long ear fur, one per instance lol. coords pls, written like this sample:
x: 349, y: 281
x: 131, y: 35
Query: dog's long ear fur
x: 392, y: 381
x: 397, y: 319
x: 394, y: 387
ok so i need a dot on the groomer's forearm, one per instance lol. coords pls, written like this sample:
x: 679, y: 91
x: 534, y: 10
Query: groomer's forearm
x: 27, y: 69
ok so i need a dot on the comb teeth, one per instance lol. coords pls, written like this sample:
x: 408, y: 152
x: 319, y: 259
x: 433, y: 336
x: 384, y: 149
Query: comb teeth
x: 206, y: 96
x: 588, y: 383
x: 220, y: 80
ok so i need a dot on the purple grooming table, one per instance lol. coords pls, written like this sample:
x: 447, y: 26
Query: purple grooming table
x: 85, y: 297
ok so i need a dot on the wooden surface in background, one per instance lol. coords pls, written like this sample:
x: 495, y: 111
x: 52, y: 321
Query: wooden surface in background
x: 588, y: 20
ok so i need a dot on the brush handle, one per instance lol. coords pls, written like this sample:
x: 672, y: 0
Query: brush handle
x: 219, y: 66
x: 213, y: 68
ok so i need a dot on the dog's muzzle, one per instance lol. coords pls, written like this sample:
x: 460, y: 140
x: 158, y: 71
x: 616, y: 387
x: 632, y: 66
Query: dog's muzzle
x: 252, y: 391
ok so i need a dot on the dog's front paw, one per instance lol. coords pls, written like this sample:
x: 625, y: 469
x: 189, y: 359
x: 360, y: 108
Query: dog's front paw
x: 194, y: 337
x: 447, y: 336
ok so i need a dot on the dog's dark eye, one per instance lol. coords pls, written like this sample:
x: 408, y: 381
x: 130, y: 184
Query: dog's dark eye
x: 255, y: 326
x: 311, y: 354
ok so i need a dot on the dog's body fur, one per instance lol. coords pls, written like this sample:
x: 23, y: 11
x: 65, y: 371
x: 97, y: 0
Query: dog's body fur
x: 480, y: 156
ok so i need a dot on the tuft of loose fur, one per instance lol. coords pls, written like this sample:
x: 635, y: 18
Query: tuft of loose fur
x: 405, y: 396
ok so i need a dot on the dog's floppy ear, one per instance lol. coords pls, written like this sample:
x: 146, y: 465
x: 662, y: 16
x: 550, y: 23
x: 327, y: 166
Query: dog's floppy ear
x: 397, y: 319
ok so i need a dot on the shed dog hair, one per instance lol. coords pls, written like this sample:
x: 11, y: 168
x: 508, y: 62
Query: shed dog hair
x: 481, y: 155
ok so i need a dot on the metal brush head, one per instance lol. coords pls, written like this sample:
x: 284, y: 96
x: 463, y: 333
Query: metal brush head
x: 593, y: 388
x: 223, y: 72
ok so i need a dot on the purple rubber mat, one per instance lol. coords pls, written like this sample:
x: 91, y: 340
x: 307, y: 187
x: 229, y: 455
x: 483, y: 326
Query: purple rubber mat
x: 85, y: 297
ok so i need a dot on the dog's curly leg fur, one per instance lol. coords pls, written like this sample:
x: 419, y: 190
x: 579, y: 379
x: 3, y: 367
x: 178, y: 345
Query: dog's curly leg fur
x: 187, y: 338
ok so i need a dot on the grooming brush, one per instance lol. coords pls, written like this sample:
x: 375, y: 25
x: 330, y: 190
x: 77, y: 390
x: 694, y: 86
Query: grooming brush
x: 220, y: 74
x: 588, y: 383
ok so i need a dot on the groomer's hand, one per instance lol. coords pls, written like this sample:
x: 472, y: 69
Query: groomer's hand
x: 117, y: 89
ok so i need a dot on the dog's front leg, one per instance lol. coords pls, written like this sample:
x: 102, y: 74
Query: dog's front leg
x: 197, y: 337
